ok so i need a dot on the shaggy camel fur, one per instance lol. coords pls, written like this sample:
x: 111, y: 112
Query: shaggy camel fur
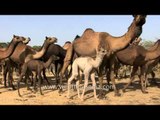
x: 36, y: 67
x: 87, y: 65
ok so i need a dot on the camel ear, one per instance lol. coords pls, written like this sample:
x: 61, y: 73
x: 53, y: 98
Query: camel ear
x: 134, y: 15
x: 14, y: 36
x: 46, y: 37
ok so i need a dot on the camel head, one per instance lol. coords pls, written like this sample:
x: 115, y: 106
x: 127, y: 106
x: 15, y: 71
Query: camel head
x: 17, y: 39
x: 27, y: 40
x: 101, y: 51
x: 50, y: 40
x: 140, y: 19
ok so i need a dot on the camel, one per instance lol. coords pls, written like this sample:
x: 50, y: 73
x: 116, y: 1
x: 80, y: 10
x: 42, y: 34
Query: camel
x: 138, y: 56
x: 87, y: 65
x: 36, y: 67
x: 88, y: 43
x: 7, y: 52
x: 57, y: 50
x: 24, y: 53
x: 120, y: 69
x: 37, y: 55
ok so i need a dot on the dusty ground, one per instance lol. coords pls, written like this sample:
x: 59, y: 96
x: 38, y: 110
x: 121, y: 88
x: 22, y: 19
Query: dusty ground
x: 132, y: 96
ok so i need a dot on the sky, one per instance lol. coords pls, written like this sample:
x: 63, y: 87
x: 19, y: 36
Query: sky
x: 66, y: 27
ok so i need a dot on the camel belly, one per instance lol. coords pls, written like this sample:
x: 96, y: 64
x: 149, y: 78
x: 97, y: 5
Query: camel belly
x: 85, y: 48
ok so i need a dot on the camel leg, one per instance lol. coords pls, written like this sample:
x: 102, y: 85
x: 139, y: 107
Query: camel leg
x: 77, y: 87
x: 65, y: 66
x: 108, y: 76
x: 27, y: 82
x: 40, y: 81
x: 135, y: 68
x: 143, y: 71
x: 56, y: 73
x: 153, y: 78
x: 61, y: 80
x: 45, y: 77
x: 94, y: 85
x: 69, y: 85
x: 86, y: 77
x: 52, y: 71
x: 85, y: 85
x: 10, y: 80
x: 5, y: 75
x: 100, y: 77
x: 112, y: 78
x: 80, y: 76
x: 18, y: 84
x: 34, y: 80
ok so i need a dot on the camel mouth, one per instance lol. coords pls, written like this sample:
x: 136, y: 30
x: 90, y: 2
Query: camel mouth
x: 55, y: 40
x: 27, y: 40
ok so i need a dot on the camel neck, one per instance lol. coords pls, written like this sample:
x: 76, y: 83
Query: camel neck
x: 8, y: 52
x: 48, y: 62
x: 97, y: 61
x: 119, y: 43
x: 41, y: 52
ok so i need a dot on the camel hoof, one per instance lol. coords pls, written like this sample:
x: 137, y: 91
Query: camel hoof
x: 97, y: 99
x: 123, y: 90
x: 13, y: 88
x: 101, y: 97
x: 145, y: 92
x: 19, y: 95
x: 60, y: 91
x: 82, y: 99
x: 29, y: 89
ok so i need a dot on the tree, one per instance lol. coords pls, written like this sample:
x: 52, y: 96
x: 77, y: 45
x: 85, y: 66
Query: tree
x: 147, y: 43
x: 37, y: 48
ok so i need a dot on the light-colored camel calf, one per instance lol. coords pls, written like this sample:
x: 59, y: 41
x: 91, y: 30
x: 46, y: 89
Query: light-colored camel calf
x: 87, y: 65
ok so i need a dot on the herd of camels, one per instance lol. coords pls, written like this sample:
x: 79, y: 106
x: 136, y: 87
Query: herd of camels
x: 93, y: 52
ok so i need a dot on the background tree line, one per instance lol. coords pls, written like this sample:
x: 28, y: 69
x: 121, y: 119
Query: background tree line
x: 145, y: 43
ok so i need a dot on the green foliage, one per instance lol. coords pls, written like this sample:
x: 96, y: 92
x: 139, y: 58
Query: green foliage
x: 37, y: 48
x: 147, y: 43
x: 4, y: 45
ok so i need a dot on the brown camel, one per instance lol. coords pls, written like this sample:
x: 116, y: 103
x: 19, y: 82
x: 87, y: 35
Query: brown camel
x: 24, y: 53
x: 7, y: 52
x: 120, y: 69
x: 88, y: 43
x: 36, y: 67
x: 138, y: 56
x: 37, y: 55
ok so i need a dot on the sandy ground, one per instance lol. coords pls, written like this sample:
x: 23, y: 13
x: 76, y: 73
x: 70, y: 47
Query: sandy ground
x: 132, y: 96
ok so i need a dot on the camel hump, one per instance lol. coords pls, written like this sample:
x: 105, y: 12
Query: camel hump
x: 102, y: 40
x: 88, y: 32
